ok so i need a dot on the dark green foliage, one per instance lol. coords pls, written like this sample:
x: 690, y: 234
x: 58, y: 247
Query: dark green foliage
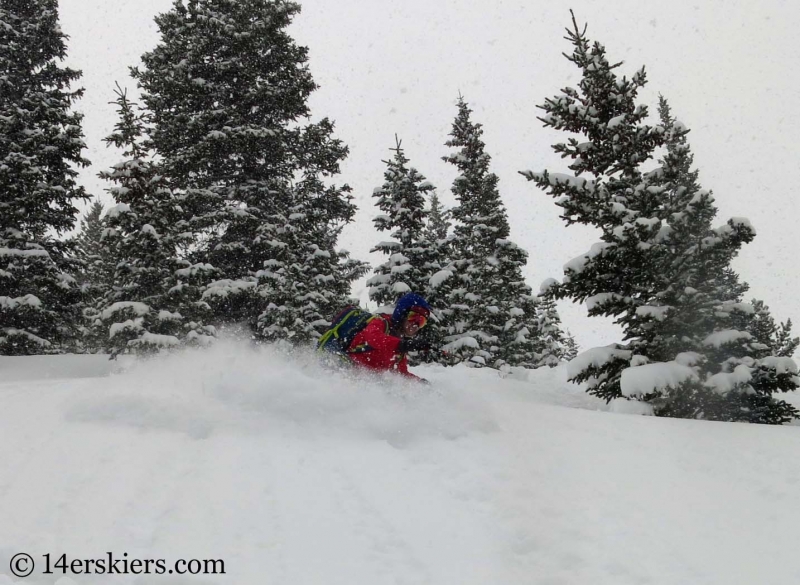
x: 438, y: 227
x: 89, y: 249
x: 95, y: 275
x: 41, y: 142
x: 411, y: 256
x: 223, y: 86
x: 660, y: 270
x: 489, y: 312
x: 553, y: 345
x: 155, y: 300
x: 227, y: 91
x: 777, y: 338
x: 308, y: 280
x: 440, y: 244
x: 437, y: 233
x: 571, y: 348
x: 693, y: 401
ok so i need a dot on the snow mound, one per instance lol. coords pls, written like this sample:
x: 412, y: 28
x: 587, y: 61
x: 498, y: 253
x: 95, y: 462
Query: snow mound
x: 48, y: 367
x: 294, y: 475
x: 234, y: 388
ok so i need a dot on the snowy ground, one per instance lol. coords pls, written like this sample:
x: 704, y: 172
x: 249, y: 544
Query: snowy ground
x: 293, y: 476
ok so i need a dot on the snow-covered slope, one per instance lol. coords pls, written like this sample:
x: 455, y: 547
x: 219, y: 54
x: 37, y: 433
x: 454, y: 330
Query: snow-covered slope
x: 294, y: 476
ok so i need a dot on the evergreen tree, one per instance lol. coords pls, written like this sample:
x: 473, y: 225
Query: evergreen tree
x: 660, y: 269
x: 491, y: 305
x: 437, y: 235
x: 438, y: 227
x: 777, y: 338
x: 155, y: 301
x: 40, y: 145
x: 401, y: 200
x: 308, y: 280
x: 439, y: 287
x: 96, y: 273
x: 520, y: 339
x: 554, y: 346
x: 228, y: 88
x: 571, y: 348
x: 89, y: 248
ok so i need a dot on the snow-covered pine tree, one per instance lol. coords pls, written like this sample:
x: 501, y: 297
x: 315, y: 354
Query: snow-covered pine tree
x: 491, y: 303
x: 40, y: 145
x: 308, y: 280
x: 438, y: 226
x: 437, y: 233
x: 89, y: 249
x: 439, y: 287
x: 571, y: 348
x: 401, y: 200
x: 776, y: 337
x: 519, y: 339
x: 738, y: 364
x: 155, y: 301
x: 96, y: 273
x: 228, y: 90
x: 553, y: 345
x: 660, y: 269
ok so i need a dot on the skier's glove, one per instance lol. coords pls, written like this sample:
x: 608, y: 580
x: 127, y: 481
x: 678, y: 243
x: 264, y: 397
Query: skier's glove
x: 414, y: 344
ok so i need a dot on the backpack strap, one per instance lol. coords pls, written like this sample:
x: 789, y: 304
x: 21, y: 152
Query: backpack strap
x: 334, y: 331
x: 344, y: 328
x: 364, y: 347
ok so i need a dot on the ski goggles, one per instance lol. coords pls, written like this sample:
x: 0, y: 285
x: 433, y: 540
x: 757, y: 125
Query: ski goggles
x: 417, y: 319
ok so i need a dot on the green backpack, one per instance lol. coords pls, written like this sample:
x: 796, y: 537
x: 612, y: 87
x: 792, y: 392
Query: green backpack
x: 343, y: 329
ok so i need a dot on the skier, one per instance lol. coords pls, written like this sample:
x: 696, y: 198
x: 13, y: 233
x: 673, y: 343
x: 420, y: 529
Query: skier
x: 382, y: 341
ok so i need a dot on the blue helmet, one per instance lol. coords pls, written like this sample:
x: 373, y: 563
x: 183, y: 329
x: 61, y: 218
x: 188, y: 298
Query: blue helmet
x: 407, y: 302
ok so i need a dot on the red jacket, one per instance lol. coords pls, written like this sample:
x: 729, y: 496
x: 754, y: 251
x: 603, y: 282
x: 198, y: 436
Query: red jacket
x: 375, y: 348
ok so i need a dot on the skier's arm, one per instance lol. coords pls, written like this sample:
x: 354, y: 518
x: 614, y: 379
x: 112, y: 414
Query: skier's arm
x: 402, y: 367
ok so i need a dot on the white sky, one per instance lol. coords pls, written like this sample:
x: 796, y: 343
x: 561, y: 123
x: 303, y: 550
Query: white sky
x: 385, y: 67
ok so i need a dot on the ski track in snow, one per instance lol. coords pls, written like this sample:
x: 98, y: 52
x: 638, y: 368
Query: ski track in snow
x: 292, y: 475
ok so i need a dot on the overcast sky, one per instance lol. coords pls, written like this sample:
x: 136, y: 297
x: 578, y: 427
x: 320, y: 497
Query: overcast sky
x: 729, y: 69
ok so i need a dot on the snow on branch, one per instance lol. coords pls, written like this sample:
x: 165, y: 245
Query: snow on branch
x: 781, y: 365
x: 648, y: 378
x: 226, y: 287
x: 595, y: 358
x: 155, y: 339
x: 578, y: 263
x: 724, y: 382
x: 437, y: 279
x: 138, y: 308
x: 546, y: 285
x: 726, y: 337
x: 556, y: 179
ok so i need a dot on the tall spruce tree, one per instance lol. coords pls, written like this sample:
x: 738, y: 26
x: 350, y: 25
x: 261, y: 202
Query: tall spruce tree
x: 660, y: 269
x: 155, y: 301
x: 491, y: 305
x: 437, y: 234
x: 308, y: 280
x: 437, y: 228
x: 96, y: 273
x: 401, y: 199
x: 553, y: 344
x: 440, y: 283
x: 228, y: 88
x: 40, y: 147
x: 89, y: 248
